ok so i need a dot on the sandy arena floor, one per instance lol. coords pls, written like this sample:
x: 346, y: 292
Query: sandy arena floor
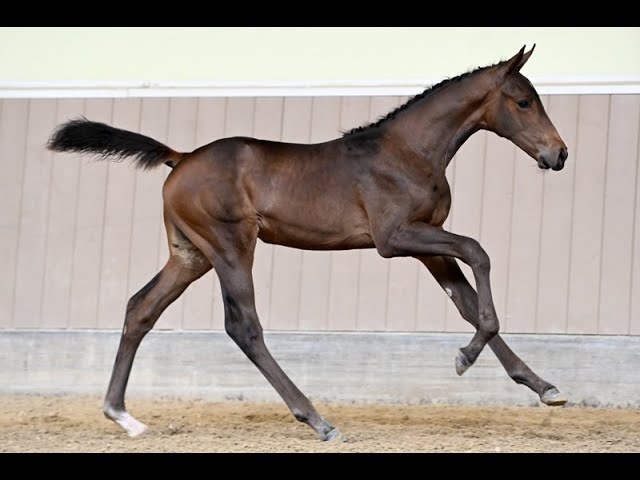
x: 70, y: 424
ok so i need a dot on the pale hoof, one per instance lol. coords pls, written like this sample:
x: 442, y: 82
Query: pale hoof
x: 334, y: 436
x: 133, y: 427
x: 462, y: 363
x: 553, y: 397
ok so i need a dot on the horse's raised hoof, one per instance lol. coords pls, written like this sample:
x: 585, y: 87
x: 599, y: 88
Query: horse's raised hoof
x: 553, y: 397
x: 462, y: 363
x: 334, y: 436
x: 133, y: 427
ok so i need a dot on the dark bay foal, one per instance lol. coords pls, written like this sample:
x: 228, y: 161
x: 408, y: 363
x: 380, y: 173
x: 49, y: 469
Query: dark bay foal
x: 380, y: 186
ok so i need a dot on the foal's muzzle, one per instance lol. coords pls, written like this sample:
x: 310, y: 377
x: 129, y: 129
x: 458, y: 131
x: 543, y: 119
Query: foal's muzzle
x: 553, y: 159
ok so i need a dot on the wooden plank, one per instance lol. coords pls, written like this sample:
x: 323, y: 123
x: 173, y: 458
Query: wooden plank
x: 201, y: 295
x: 287, y: 262
x: 634, y: 308
x: 147, y: 205
x: 240, y: 117
x: 87, y: 255
x: 181, y: 136
x: 555, y: 237
x: 466, y: 217
x: 524, y: 248
x: 343, y: 283
x: 315, y: 274
x: 495, y: 222
x: 589, y: 163
x: 431, y: 304
x: 169, y: 317
x: 61, y: 226
x: 118, y: 219
x: 14, y: 119
x: 615, y: 273
x: 34, y: 215
x: 372, y: 293
x: 402, y: 294
x: 374, y: 270
x: 267, y: 125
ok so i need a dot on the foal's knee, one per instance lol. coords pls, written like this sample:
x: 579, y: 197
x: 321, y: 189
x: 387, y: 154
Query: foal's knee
x: 492, y: 330
x: 489, y: 325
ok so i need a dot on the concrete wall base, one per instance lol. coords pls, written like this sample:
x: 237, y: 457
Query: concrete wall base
x: 334, y: 367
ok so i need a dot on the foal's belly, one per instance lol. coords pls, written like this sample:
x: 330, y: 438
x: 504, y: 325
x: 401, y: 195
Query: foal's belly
x: 305, y: 243
x: 307, y: 234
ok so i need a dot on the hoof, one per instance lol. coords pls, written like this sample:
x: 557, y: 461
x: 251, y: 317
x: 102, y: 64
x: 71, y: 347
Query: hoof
x: 136, y: 429
x: 553, y: 397
x: 133, y: 427
x: 462, y: 363
x: 334, y: 436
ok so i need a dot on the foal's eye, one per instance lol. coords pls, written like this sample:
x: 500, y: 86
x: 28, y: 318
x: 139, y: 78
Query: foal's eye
x: 524, y: 103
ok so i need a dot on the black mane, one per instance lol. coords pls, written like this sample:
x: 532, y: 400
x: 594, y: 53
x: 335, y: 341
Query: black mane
x: 434, y: 88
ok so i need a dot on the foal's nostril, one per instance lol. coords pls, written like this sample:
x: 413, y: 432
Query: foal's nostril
x: 562, y: 156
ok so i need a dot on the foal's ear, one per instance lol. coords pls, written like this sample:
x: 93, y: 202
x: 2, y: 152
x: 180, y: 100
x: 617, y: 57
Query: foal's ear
x: 515, y: 63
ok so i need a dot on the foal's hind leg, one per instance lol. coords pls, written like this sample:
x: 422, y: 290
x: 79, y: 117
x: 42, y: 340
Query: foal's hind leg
x: 448, y: 274
x: 233, y: 259
x: 185, y: 265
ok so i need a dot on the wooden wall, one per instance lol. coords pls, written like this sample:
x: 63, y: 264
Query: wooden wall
x: 79, y: 237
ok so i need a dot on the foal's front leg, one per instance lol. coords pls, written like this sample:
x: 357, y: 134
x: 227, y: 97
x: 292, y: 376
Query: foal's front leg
x: 418, y: 239
x: 448, y: 274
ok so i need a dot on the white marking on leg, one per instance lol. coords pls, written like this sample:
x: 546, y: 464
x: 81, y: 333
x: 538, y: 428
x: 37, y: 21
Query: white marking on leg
x: 449, y: 292
x: 133, y: 427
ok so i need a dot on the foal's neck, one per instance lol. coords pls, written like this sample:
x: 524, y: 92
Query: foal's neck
x: 437, y: 125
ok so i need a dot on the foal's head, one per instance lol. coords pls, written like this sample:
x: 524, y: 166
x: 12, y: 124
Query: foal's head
x: 514, y: 111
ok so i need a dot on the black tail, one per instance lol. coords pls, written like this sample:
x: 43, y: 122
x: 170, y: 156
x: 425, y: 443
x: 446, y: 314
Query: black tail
x: 96, y: 138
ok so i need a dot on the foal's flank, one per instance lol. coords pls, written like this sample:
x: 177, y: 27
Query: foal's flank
x: 379, y: 186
